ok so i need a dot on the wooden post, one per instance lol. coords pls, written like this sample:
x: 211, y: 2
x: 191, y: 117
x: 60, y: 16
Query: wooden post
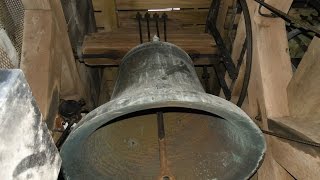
x: 42, y: 71
x: 47, y: 58
x: 270, y: 75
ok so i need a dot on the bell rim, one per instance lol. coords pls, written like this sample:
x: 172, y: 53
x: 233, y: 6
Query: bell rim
x: 196, y: 100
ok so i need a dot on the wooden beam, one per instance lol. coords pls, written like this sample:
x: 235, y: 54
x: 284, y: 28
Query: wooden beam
x: 48, y: 61
x: 301, y: 160
x: 270, y: 169
x: 118, y: 44
x: 105, y: 14
x: 155, y: 4
x: 304, y: 88
x: 41, y: 70
x: 72, y: 85
x: 183, y: 17
x: 36, y: 4
x: 170, y: 29
x: 272, y: 60
x: 304, y: 96
x: 304, y: 127
x: 270, y: 75
x: 117, y: 62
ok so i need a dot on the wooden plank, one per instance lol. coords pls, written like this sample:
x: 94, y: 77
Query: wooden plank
x: 100, y: 21
x: 128, y: 18
x: 304, y: 87
x: 303, y: 127
x: 155, y: 4
x: 117, y: 62
x: 270, y: 169
x: 98, y: 5
x: 36, y: 4
x: 135, y: 36
x: 36, y: 59
x: 170, y: 29
x: 302, y: 162
x: 117, y: 44
x: 118, y: 50
x: 48, y: 61
x: 71, y: 85
x: 303, y: 95
x: 271, y: 57
x: 105, y: 14
x: 270, y: 74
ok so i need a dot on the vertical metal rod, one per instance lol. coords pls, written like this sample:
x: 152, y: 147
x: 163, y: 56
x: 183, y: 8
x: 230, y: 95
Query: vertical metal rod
x: 164, y: 16
x: 140, y: 30
x: 164, y: 169
x: 147, y: 16
x: 205, y: 77
x: 161, y: 133
x: 156, y: 17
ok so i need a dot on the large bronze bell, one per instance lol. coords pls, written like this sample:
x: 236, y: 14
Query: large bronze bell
x: 160, y: 124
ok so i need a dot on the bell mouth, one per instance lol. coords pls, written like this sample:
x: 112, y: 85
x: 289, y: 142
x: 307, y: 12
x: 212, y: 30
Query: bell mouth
x: 187, y: 144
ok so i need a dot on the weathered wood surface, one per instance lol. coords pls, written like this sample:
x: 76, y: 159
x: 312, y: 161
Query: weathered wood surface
x: 299, y: 160
x: 105, y: 14
x: 36, y: 4
x: 270, y: 75
x: 304, y: 88
x: 117, y: 43
x: 271, y: 62
x: 42, y: 71
x: 302, y: 161
x: 155, y: 4
x: 47, y: 58
x: 116, y: 62
x: 182, y: 17
x: 304, y: 102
